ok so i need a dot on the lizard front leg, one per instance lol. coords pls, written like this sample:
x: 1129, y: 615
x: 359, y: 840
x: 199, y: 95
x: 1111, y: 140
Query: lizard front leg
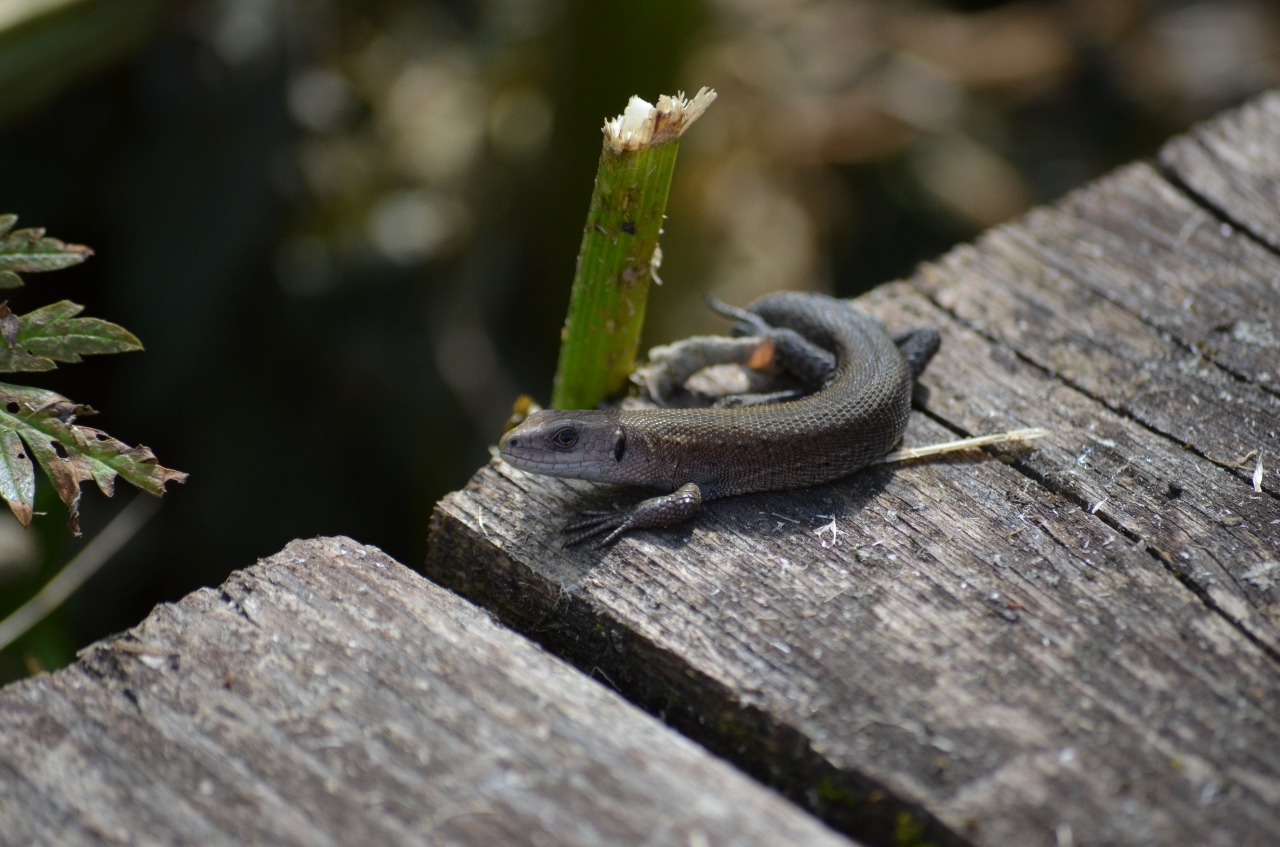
x: 664, y: 510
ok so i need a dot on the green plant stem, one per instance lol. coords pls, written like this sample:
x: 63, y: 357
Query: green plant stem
x: 76, y: 572
x: 615, y: 264
x: 619, y: 251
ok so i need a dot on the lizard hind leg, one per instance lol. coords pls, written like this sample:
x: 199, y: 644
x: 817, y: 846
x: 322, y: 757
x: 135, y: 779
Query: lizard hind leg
x: 745, y: 322
x: 664, y: 510
x: 797, y: 355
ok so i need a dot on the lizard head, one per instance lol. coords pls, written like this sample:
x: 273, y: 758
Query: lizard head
x: 580, y: 445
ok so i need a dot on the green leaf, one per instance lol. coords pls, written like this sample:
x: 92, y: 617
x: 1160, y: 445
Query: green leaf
x: 68, y: 453
x: 53, y: 333
x: 30, y: 251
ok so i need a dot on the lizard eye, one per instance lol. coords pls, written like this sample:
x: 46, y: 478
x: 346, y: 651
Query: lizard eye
x: 564, y: 438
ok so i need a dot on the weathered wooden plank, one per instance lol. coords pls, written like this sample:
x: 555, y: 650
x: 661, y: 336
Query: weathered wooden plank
x: 1203, y: 522
x: 974, y: 646
x: 1080, y: 646
x: 1138, y: 354
x: 1137, y: 244
x: 1112, y: 342
x: 331, y: 696
x: 1233, y: 163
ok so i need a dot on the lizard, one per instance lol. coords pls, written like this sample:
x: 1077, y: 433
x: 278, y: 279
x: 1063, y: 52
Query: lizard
x: 861, y: 381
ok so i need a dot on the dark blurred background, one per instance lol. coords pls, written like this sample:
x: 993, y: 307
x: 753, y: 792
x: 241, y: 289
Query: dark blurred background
x: 345, y: 231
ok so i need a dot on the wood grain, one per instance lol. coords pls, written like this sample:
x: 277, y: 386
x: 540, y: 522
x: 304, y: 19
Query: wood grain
x: 330, y: 696
x: 1201, y: 521
x: 1233, y: 164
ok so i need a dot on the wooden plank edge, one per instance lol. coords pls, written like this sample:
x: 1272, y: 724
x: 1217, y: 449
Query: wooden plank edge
x: 328, y: 669
x: 461, y: 556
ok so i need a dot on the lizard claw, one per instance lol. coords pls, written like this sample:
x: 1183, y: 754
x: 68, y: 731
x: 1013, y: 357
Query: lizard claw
x: 591, y: 524
x: 665, y: 510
